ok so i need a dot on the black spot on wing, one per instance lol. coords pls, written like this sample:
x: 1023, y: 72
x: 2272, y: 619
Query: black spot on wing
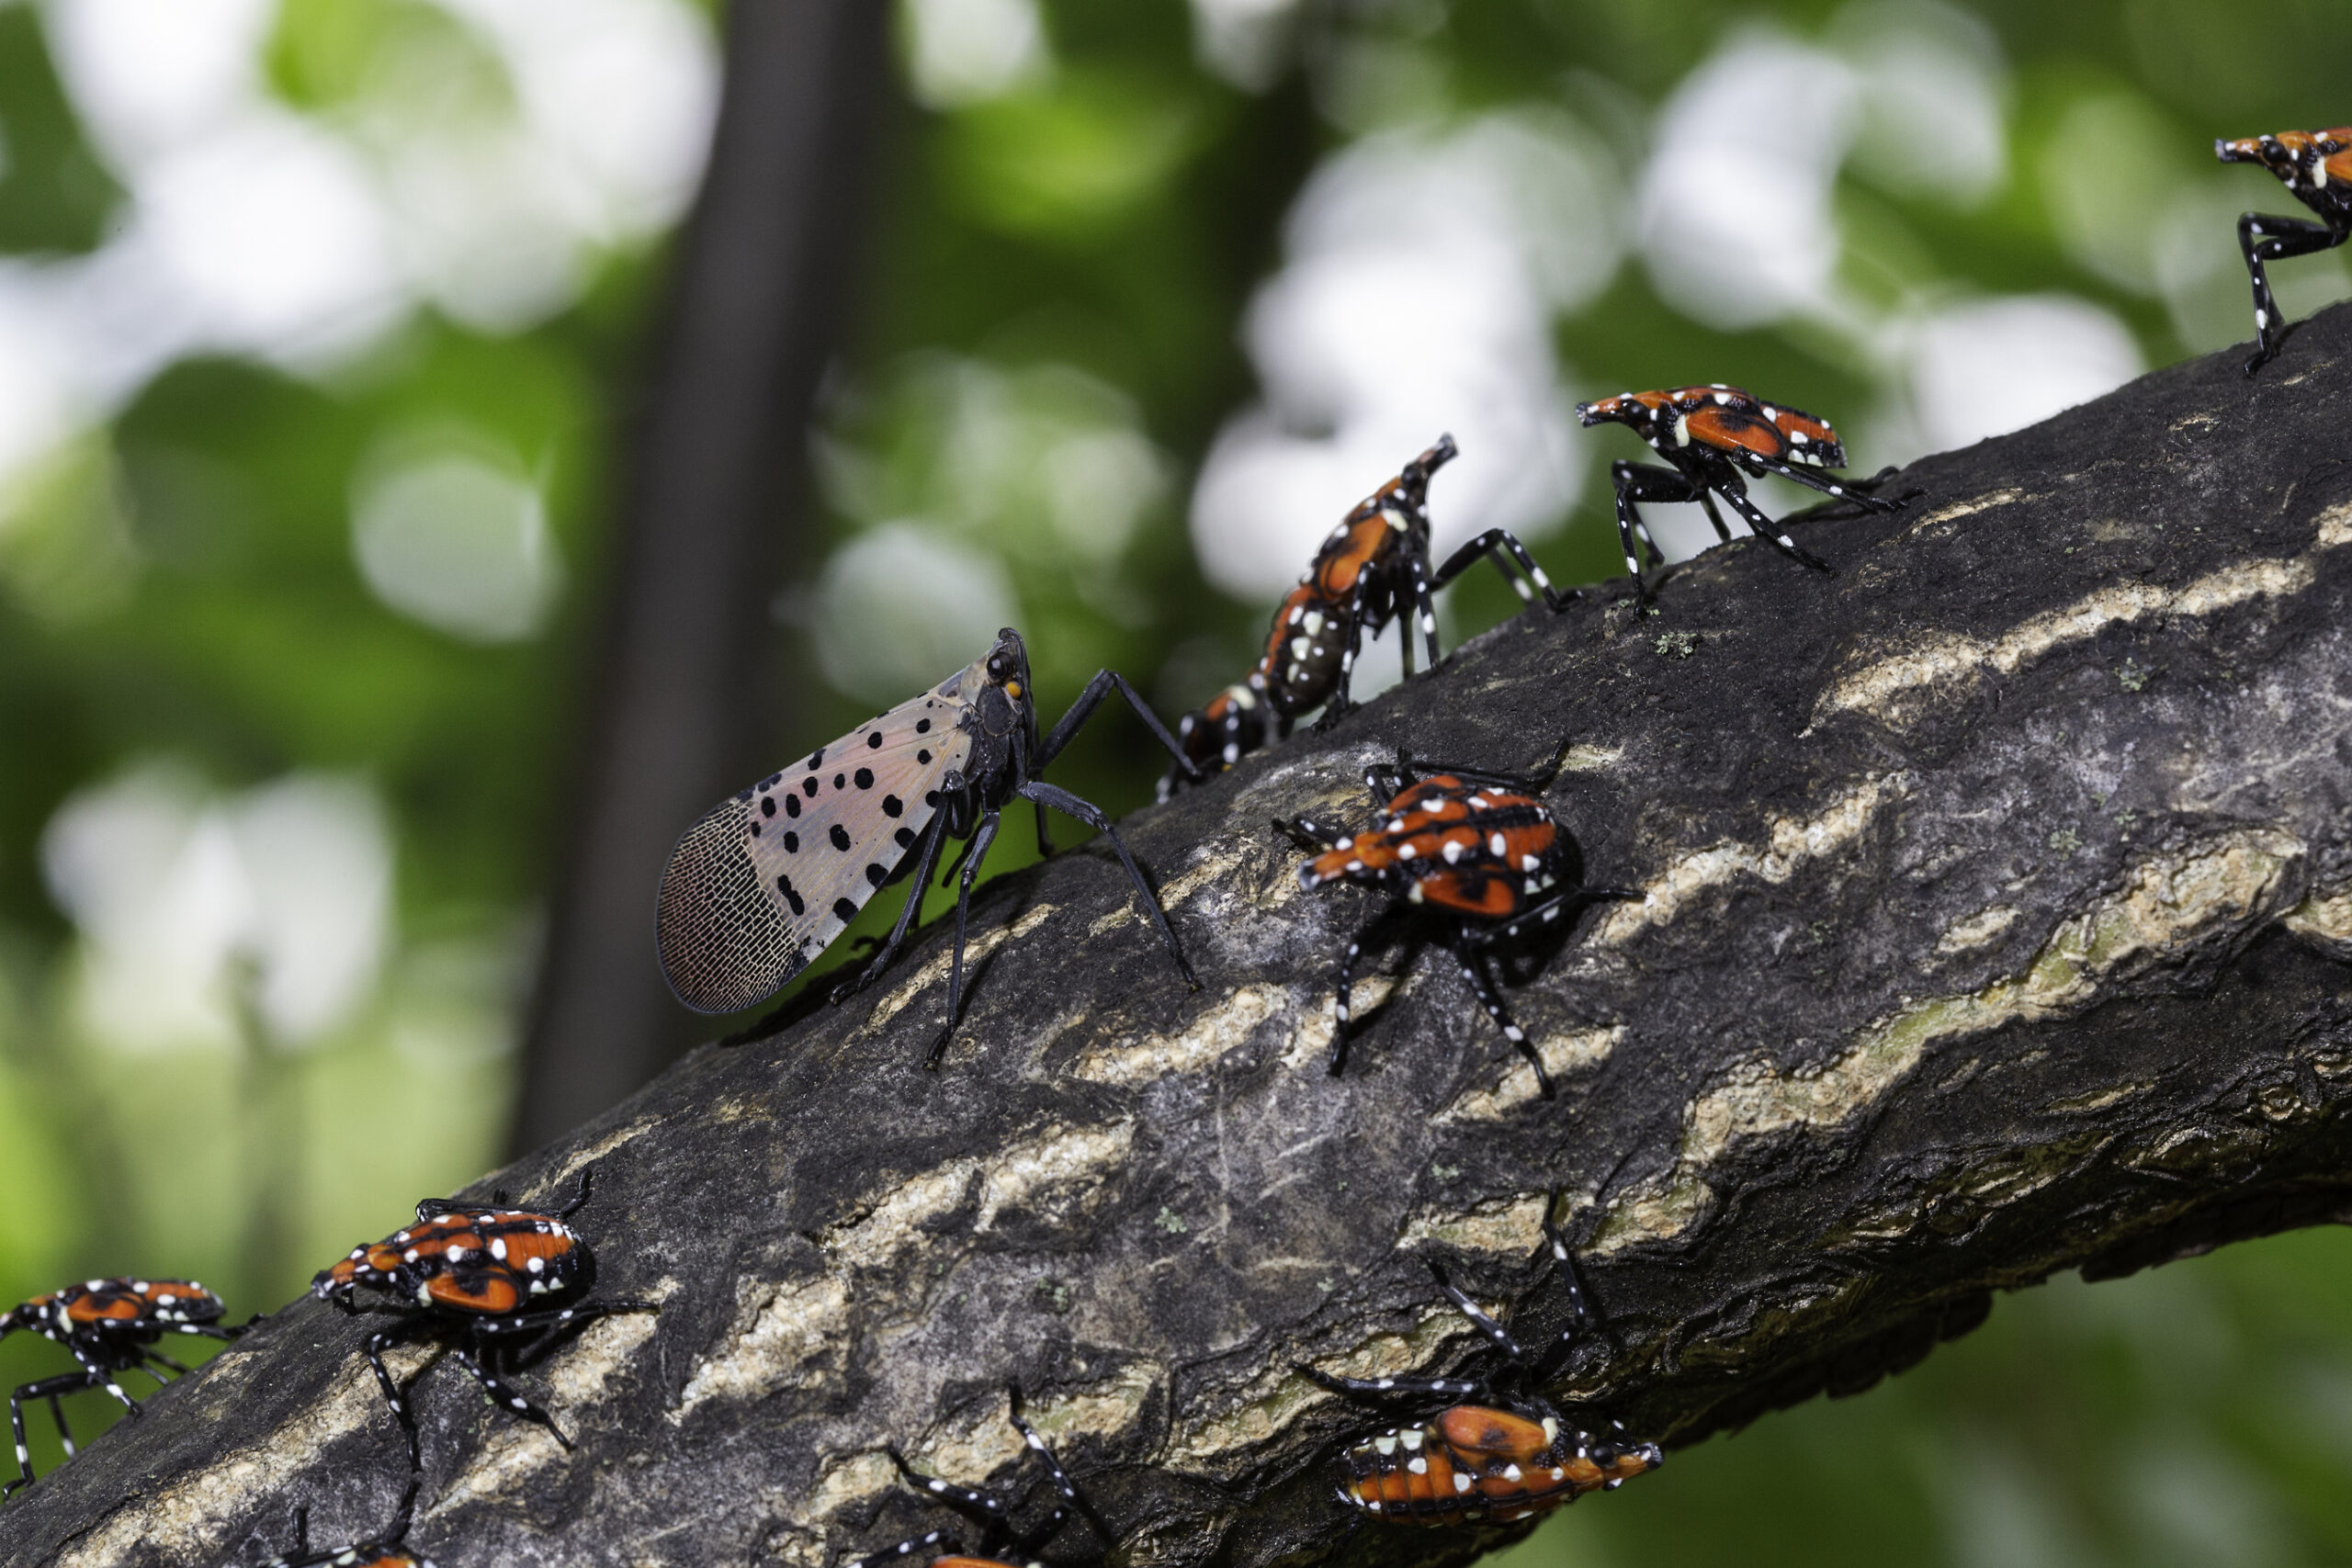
x: 839, y: 835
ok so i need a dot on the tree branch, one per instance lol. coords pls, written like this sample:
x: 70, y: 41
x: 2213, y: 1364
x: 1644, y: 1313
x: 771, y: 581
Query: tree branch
x: 1999, y: 907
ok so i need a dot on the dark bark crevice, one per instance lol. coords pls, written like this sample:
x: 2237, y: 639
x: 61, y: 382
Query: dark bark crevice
x: 1998, y: 921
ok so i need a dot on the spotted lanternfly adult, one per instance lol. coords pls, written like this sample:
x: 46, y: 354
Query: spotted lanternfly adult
x: 485, y: 1278
x: 1228, y: 727
x: 110, y: 1327
x: 388, y: 1549
x: 999, y: 1546
x: 1710, y: 434
x: 1375, y: 568
x: 1479, y: 850
x: 1509, y: 1456
x: 2316, y: 166
x: 764, y: 882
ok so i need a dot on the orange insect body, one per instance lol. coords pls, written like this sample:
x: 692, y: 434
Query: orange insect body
x: 128, y: 1302
x: 109, y: 1327
x: 1221, y: 731
x: 1737, y: 423
x: 1371, y: 567
x: 1476, y: 850
x: 1472, y: 1463
x: 472, y: 1275
x: 485, y: 1261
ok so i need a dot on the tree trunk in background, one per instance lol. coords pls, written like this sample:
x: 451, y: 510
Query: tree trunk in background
x: 1998, y: 921
x: 712, y: 512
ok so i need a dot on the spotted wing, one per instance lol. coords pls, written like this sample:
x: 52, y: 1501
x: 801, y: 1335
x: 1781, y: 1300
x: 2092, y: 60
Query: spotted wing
x: 764, y: 882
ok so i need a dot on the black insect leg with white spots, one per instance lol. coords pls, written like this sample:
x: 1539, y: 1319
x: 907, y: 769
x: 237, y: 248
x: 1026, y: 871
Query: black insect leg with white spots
x: 1375, y: 1390
x: 1837, y: 487
x: 374, y: 1549
x: 48, y: 1389
x: 1551, y: 911
x: 1734, y: 489
x: 1482, y: 984
x: 2264, y: 238
x: 379, y: 1342
x: 1636, y: 482
x: 1062, y: 1482
x: 503, y: 1394
x: 1343, y: 1016
x: 1423, y: 610
x: 1502, y: 546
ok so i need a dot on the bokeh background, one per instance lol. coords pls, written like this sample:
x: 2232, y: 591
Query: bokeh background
x: 321, y: 322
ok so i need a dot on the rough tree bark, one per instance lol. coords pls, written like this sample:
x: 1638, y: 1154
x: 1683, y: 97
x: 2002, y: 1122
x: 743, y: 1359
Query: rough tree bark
x: 1999, y: 921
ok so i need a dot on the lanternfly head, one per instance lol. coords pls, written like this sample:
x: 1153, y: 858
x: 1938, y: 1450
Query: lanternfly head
x: 1008, y: 664
x: 1642, y: 410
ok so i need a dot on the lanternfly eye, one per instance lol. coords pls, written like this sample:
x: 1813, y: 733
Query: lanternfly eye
x: 1460, y: 845
x: 1714, y: 436
x: 743, y: 911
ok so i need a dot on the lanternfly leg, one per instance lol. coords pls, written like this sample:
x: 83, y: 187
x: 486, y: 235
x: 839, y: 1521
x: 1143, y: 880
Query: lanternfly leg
x: 942, y: 1541
x: 1305, y: 834
x: 1495, y: 1332
x: 1337, y: 705
x: 1376, y: 1389
x: 962, y: 1499
x: 1061, y: 1478
x: 919, y: 886
x: 2267, y: 239
x: 47, y: 1389
x: 1087, y: 812
x: 1707, y: 505
x: 1104, y: 684
x: 1424, y: 609
x: 1735, y: 495
x: 377, y: 1343
x: 1552, y: 911
x: 503, y: 1392
x: 1342, y: 1017
x: 974, y: 852
x: 1639, y: 482
x: 57, y: 1414
x: 1503, y: 549
x: 102, y: 1377
x: 548, y: 1327
x: 1857, y: 491
x: 1474, y: 970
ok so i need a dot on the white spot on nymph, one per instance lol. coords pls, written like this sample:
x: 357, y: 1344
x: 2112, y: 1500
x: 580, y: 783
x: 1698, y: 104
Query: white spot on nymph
x: 1413, y: 893
x: 1558, y: 1474
x: 423, y: 1296
x: 1510, y: 1472
x: 1495, y: 843
x: 1452, y: 851
x: 1406, y: 851
x: 1528, y: 862
x: 2261, y: 318
x: 1798, y: 439
x: 1724, y: 399
x: 1513, y: 1034
x: 1411, y: 1440
x: 1462, y: 1481
x: 1682, y: 434
x: 1419, y: 1467
x: 1384, y: 1444
x: 535, y: 1264
x: 1346, y: 844
x: 1313, y: 621
x: 1298, y: 647
x: 1297, y: 612
x: 1836, y: 489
